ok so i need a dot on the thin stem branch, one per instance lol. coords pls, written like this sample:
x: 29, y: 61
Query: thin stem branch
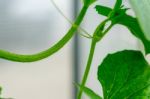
x: 87, y: 35
x: 105, y: 32
x: 98, y: 35
x: 41, y: 55
x: 90, y: 58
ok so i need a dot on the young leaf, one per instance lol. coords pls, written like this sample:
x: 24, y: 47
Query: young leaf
x: 142, y: 11
x: 130, y: 22
x: 88, y: 2
x: 125, y: 75
x: 103, y: 10
x: 89, y: 92
x: 118, y: 4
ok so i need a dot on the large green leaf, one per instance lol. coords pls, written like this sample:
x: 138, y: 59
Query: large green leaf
x: 128, y: 21
x: 125, y: 75
x: 142, y: 11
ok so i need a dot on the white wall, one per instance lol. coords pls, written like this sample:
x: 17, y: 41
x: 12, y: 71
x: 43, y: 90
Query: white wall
x: 30, y: 26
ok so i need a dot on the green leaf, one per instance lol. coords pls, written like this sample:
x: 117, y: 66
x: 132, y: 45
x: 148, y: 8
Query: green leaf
x: 103, y: 10
x: 125, y: 75
x: 88, y: 2
x: 118, y: 4
x: 128, y: 21
x: 89, y: 92
x: 142, y: 11
x: 107, y: 11
x: 133, y: 25
x: 0, y: 91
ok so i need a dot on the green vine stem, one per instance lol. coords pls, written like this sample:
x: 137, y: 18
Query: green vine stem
x: 97, y: 36
x: 90, y: 58
x: 41, y: 55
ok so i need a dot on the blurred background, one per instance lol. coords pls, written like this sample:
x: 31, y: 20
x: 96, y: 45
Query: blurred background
x: 30, y: 26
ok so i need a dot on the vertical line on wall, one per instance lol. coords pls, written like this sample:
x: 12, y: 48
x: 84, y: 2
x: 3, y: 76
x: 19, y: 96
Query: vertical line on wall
x: 75, y: 51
